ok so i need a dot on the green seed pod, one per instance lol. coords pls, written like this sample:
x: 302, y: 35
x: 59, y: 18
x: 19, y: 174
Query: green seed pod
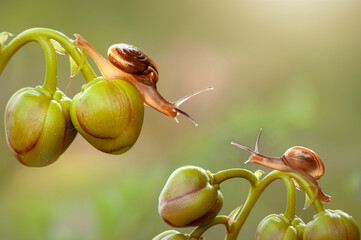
x: 279, y: 227
x: 38, y: 126
x: 108, y: 114
x: 170, y: 235
x: 189, y: 198
x: 332, y: 224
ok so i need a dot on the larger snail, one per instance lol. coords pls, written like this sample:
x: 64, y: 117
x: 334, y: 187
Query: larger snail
x: 129, y: 63
x: 109, y: 111
x: 296, y: 159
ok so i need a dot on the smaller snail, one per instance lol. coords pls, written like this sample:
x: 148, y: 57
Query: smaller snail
x: 296, y: 159
x: 129, y: 63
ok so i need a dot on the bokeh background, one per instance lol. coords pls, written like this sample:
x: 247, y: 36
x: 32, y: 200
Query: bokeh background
x: 292, y: 67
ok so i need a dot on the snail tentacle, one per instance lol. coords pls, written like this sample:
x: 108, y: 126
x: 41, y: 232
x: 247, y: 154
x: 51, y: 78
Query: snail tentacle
x: 257, y: 142
x: 185, y: 98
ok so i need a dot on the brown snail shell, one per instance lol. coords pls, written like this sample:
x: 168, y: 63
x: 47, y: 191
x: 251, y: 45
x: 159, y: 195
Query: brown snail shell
x: 132, y: 60
x: 305, y: 160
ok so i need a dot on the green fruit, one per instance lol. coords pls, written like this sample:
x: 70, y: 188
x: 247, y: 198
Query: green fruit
x: 189, y: 198
x: 279, y: 227
x: 108, y: 114
x: 38, y: 126
x: 332, y: 224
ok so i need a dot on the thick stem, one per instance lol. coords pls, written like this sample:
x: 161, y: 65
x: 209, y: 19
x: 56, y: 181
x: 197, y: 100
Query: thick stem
x: 253, y: 195
x: 51, y: 65
x: 291, y: 198
x: 33, y: 34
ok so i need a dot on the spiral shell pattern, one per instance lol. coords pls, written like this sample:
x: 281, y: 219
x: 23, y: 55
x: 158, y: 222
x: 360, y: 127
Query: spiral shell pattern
x: 131, y: 59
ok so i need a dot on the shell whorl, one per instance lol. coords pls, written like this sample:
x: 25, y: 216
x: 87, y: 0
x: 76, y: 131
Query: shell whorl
x: 306, y: 160
x: 132, y: 60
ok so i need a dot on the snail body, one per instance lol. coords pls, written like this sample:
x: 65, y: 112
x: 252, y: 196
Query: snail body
x: 129, y: 63
x: 297, y: 159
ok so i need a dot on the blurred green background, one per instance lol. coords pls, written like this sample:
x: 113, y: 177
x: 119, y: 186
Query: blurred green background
x: 292, y: 67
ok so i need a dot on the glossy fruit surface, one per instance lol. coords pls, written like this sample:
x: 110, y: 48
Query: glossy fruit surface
x: 108, y: 114
x: 38, y: 126
x: 189, y: 198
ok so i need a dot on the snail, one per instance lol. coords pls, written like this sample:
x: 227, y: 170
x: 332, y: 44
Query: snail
x: 297, y: 159
x: 129, y: 63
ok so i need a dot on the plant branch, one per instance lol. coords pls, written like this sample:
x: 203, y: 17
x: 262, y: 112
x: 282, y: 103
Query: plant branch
x: 221, y: 176
x: 51, y: 65
x: 253, y: 195
x: 33, y: 34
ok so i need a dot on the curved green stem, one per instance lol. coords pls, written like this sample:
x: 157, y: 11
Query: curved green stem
x: 291, y: 198
x: 33, y: 34
x: 51, y: 65
x: 253, y: 195
x: 198, y: 232
x: 221, y: 176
